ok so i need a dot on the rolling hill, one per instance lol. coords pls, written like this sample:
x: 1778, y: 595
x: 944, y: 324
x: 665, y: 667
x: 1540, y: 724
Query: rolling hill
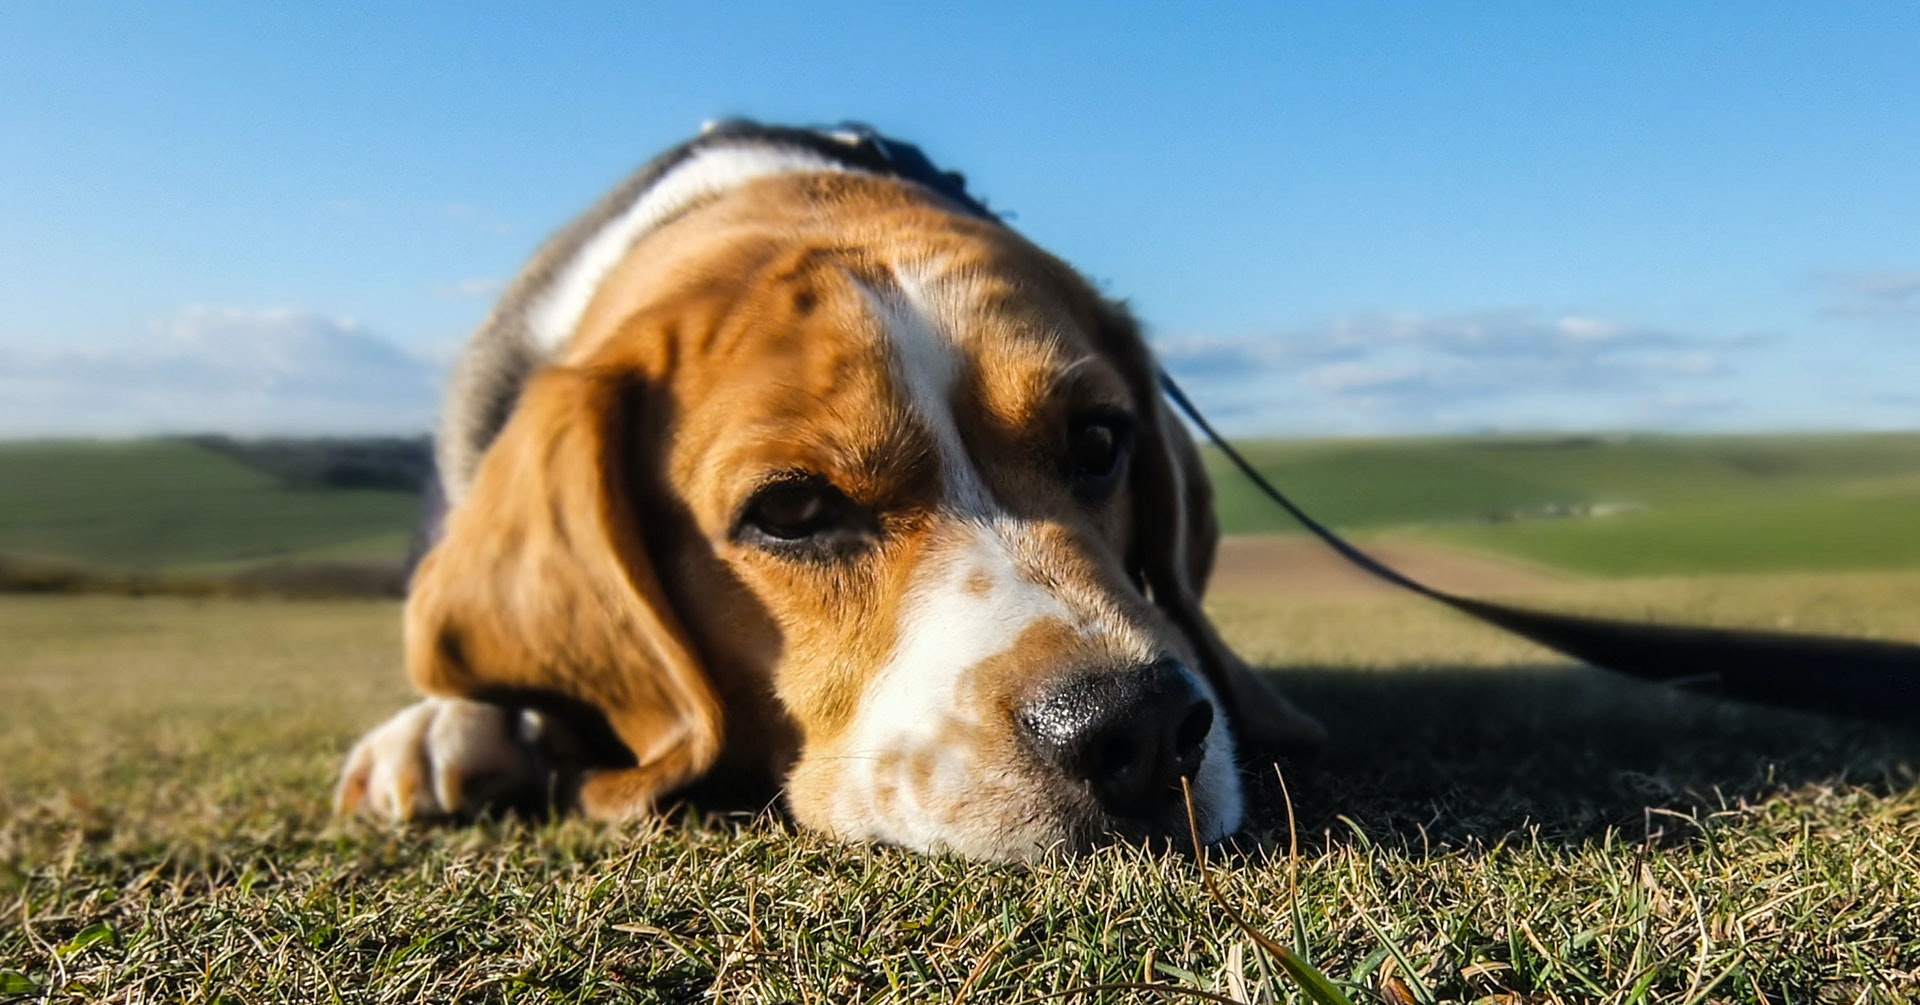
x: 1642, y: 505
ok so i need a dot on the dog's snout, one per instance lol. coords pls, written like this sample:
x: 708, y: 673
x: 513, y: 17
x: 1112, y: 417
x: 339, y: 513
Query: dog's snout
x: 1129, y: 735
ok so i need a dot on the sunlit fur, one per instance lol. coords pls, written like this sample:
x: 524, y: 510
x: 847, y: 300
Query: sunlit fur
x: 927, y: 364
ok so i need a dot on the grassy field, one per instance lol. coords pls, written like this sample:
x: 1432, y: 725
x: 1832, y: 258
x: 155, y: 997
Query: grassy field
x: 1611, y: 506
x: 1488, y: 824
x: 1630, y: 506
x: 177, y: 506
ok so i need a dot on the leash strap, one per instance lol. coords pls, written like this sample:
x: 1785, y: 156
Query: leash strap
x: 1861, y: 678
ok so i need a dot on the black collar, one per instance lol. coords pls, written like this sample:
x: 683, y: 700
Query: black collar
x: 857, y: 146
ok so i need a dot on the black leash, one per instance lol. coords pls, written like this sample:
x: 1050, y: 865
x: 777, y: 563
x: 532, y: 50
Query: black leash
x: 1863, y: 678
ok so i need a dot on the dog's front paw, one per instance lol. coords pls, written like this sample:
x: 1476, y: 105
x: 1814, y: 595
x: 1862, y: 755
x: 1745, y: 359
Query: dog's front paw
x: 446, y: 758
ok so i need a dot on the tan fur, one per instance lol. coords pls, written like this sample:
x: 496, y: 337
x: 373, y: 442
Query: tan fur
x: 543, y: 584
x: 501, y: 355
x: 592, y: 557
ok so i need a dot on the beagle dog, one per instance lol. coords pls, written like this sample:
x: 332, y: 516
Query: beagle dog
x: 787, y: 463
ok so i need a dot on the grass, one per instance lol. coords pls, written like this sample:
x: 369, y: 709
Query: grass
x: 1804, y: 531
x: 175, y: 508
x: 161, y: 505
x: 1486, y: 823
x: 1674, y: 504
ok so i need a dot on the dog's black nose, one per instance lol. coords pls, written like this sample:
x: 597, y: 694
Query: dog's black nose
x: 1129, y: 735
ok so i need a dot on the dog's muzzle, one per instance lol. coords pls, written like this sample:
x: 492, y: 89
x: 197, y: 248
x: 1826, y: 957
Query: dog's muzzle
x: 1128, y: 736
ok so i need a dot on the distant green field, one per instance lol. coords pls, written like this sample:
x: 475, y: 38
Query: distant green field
x: 155, y: 505
x: 1611, y: 506
x: 1642, y: 505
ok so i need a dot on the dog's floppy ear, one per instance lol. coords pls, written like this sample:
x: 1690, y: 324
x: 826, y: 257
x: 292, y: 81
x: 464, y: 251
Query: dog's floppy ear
x: 543, y: 584
x: 1174, y: 536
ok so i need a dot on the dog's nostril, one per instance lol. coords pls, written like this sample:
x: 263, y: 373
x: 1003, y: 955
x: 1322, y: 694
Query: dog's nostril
x: 1129, y: 735
x: 1189, y: 741
x: 1114, y: 756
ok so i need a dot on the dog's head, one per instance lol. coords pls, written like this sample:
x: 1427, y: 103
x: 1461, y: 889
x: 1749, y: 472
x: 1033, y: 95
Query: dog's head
x: 836, y: 484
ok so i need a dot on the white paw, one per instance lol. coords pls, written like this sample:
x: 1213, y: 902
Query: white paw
x: 444, y: 757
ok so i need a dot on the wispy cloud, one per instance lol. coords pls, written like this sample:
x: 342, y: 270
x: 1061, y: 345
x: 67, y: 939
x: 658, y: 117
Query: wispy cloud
x: 470, y: 289
x: 225, y: 370
x: 1883, y: 295
x: 1490, y: 369
x: 479, y: 218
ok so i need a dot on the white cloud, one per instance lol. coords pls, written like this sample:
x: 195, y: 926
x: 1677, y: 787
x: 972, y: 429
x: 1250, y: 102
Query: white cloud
x: 470, y: 289
x: 222, y: 370
x: 1410, y: 372
x: 1586, y: 329
x: 1359, y: 376
x: 305, y: 372
x: 479, y: 218
x: 1888, y: 296
x: 1883, y: 284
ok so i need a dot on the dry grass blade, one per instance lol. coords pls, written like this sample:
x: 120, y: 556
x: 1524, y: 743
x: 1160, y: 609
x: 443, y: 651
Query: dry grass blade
x: 973, y: 976
x: 1314, y: 983
x: 1293, y: 855
x: 1396, y: 992
x: 1173, y: 990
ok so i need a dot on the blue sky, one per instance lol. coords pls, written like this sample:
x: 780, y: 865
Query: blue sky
x: 1336, y: 218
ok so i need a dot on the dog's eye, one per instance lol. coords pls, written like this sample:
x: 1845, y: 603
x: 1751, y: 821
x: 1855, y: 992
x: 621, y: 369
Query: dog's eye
x: 789, y: 512
x: 800, y: 512
x: 1097, y: 447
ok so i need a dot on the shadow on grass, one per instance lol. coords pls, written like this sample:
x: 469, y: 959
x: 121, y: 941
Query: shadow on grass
x: 1451, y: 758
